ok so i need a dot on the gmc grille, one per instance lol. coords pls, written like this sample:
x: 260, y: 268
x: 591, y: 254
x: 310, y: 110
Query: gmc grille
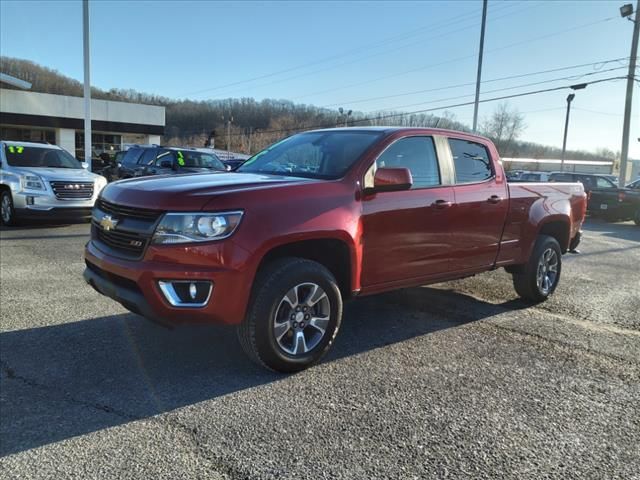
x: 72, y: 190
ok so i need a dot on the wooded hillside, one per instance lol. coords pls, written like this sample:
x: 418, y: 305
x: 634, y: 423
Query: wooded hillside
x: 256, y: 124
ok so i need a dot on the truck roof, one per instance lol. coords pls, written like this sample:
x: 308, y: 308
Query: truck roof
x: 389, y: 129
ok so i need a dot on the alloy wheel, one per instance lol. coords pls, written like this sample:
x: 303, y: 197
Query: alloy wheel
x: 547, y: 273
x: 301, y: 319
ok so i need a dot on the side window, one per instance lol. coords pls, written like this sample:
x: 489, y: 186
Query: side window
x: 164, y: 155
x: 148, y: 157
x: 561, y: 177
x: 602, y: 182
x: 471, y: 161
x: 418, y: 154
x: 132, y: 156
x: 587, y: 182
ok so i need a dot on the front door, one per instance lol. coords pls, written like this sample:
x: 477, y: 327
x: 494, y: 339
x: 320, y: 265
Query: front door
x: 406, y: 234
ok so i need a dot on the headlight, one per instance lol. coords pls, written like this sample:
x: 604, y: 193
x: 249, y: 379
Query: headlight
x: 32, y: 182
x: 101, y: 182
x: 196, y: 227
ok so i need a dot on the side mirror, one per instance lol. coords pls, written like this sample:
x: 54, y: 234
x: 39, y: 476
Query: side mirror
x: 392, y: 179
x: 166, y: 164
x: 85, y: 165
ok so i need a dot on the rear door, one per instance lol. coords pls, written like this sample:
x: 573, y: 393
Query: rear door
x: 406, y: 234
x: 481, y: 208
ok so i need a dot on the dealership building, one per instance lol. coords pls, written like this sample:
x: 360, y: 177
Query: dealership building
x: 59, y: 119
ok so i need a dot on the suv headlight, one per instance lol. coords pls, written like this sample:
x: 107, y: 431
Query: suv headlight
x: 32, y: 182
x: 196, y: 227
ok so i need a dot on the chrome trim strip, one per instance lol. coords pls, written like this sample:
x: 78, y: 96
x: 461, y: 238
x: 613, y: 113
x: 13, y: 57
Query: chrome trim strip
x: 166, y: 286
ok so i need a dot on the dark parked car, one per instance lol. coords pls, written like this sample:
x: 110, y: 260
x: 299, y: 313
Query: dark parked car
x: 142, y: 161
x: 606, y: 199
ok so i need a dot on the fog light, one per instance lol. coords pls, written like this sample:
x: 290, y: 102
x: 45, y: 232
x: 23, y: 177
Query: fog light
x: 186, y: 293
x: 31, y: 200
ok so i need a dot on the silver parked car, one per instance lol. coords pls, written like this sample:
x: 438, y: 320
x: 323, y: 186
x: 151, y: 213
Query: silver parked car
x: 44, y: 181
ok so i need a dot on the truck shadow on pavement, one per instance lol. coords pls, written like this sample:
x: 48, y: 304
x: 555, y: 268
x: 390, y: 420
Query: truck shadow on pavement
x: 66, y: 380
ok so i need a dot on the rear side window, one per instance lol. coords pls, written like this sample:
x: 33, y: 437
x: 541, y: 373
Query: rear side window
x: 602, y: 182
x: 149, y: 156
x: 471, y: 161
x: 561, y: 177
x: 132, y: 156
x: 418, y: 154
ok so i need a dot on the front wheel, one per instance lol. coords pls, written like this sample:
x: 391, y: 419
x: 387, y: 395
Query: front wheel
x: 541, y: 274
x: 294, y: 315
x: 8, y: 213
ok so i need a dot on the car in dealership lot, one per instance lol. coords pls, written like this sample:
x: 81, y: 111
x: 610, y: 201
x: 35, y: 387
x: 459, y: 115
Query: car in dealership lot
x: 147, y: 160
x: 44, y: 181
x: 323, y: 216
x: 605, y: 198
x: 531, y: 177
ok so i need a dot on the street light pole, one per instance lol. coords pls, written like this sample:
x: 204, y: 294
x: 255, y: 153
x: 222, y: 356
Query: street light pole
x: 479, y: 78
x: 87, y: 83
x: 626, y: 11
x: 570, y: 98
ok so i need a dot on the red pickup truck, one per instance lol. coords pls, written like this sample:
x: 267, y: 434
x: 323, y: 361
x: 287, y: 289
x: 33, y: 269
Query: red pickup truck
x: 320, y: 217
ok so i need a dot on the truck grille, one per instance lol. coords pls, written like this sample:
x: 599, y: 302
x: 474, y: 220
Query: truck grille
x: 129, y: 230
x: 123, y: 211
x: 72, y: 190
x: 132, y: 244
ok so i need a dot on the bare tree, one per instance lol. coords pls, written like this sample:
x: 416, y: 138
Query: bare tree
x: 504, y: 127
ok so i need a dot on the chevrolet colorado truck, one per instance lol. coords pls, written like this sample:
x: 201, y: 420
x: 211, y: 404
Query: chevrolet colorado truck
x: 320, y: 217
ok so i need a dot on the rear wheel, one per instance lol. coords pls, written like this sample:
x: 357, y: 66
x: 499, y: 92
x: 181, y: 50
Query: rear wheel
x: 636, y: 217
x: 7, y: 212
x: 540, y: 276
x: 294, y: 315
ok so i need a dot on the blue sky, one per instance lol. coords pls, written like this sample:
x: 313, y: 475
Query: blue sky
x: 346, y: 53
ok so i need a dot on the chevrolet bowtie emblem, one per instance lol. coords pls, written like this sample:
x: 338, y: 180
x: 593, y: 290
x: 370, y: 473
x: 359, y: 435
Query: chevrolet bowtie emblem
x: 107, y: 223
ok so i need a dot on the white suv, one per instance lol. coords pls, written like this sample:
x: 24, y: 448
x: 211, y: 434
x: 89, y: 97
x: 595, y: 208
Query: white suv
x: 44, y: 181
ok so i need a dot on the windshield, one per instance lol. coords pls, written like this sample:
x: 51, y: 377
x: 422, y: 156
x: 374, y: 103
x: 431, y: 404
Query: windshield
x: 18, y: 156
x: 186, y: 158
x: 315, y: 155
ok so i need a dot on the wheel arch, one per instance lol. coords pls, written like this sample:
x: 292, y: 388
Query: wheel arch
x: 333, y: 253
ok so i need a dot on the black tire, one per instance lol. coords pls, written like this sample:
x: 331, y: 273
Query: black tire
x: 636, y: 217
x: 526, y: 280
x: 256, y: 333
x: 5, y: 196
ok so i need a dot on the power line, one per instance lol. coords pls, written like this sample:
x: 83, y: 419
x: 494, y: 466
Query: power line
x: 449, y: 87
x: 456, y: 105
x: 513, y: 87
x: 383, y: 41
x: 446, y: 23
x: 457, y: 59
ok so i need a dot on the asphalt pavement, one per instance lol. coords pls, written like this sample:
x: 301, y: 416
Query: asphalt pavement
x: 457, y: 380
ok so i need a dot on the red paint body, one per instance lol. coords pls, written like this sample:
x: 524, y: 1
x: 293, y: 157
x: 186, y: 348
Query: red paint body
x: 394, y: 239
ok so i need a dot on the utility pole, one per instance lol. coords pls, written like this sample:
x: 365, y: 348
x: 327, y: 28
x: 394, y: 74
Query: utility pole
x: 479, y: 79
x: 87, y: 83
x: 570, y: 98
x: 626, y: 11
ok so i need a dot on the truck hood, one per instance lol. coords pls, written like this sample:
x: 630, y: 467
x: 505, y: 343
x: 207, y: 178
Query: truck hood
x: 190, y: 191
x: 48, y: 174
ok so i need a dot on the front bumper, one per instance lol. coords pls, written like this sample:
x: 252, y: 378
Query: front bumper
x: 134, y: 283
x: 45, y: 205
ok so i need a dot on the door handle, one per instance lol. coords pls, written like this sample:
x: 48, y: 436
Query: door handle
x: 494, y: 199
x: 442, y: 204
